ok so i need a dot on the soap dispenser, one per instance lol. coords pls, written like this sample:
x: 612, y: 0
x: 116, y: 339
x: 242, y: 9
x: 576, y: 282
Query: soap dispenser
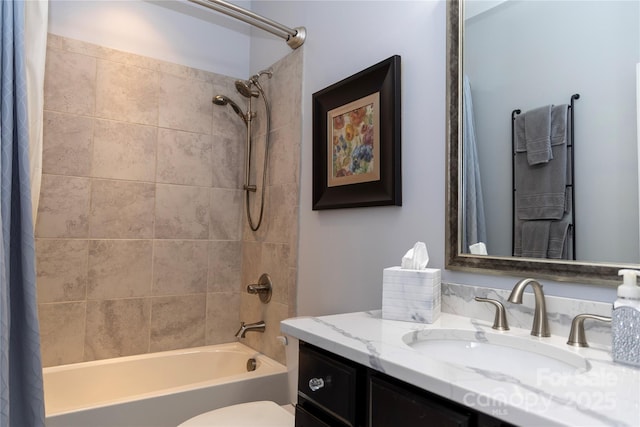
x: 625, y: 320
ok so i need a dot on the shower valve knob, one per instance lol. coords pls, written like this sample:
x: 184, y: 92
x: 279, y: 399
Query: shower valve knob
x: 264, y: 288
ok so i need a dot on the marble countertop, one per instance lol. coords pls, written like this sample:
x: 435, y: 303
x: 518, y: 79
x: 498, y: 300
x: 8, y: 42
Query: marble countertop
x: 606, y: 394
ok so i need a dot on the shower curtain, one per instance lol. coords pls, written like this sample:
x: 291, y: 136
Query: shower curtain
x: 473, y: 222
x: 35, y: 47
x: 21, y: 395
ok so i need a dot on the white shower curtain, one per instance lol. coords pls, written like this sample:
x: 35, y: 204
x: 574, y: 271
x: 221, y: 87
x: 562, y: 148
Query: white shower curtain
x: 473, y: 223
x: 36, y: 17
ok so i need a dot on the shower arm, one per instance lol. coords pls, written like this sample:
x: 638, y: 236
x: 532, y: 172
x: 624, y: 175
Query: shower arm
x: 294, y: 36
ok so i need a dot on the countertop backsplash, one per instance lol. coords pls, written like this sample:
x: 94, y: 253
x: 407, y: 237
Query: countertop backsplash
x: 459, y: 299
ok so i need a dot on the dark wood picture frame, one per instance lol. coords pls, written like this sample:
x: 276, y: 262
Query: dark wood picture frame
x: 383, y: 79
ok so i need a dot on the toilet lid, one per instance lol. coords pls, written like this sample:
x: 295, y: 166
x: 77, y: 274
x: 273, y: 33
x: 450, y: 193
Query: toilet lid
x: 253, y: 414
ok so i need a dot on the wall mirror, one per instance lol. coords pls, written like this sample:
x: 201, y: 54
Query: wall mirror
x: 519, y: 55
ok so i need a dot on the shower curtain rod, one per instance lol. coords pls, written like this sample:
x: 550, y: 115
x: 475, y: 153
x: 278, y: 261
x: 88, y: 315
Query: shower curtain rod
x: 293, y: 36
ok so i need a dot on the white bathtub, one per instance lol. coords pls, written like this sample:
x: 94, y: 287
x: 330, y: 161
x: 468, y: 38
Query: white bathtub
x: 159, y: 389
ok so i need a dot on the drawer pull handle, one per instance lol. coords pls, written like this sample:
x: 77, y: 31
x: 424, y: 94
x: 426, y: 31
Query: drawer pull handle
x: 316, y: 384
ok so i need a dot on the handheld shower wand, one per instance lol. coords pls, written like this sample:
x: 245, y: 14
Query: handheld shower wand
x: 223, y: 100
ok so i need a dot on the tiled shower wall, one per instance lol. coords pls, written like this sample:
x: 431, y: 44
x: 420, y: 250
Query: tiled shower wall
x: 273, y: 248
x: 139, y: 229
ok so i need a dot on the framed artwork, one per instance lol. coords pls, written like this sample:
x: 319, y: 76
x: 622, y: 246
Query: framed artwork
x: 356, y: 140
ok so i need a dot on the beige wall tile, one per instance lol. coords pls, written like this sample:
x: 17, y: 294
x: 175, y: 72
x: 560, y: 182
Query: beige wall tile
x: 180, y: 267
x: 274, y: 314
x: 64, y: 207
x: 184, y: 71
x: 228, y: 162
x: 226, y: 122
x: 178, y: 322
x: 119, y: 268
x: 225, y: 262
x: 294, y: 231
x: 69, y: 82
x: 127, y: 93
x: 286, y: 87
x: 182, y: 212
x: 275, y: 262
x: 293, y: 292
x: 117, y: 328
x: 62, y: 329
x: 67, y: 144
x: 283, y: 203
x: 223, y: 317
x: 273, y: 248
x: 113, y: 55
x: 251, y: 263
x: 54, y: 41
x: 185, y: 104
x: 251, y: 310
x: 184, y: 158
x: 121, y: 209
x: 226, y: 214
x: 284, y: 156
x: 124, y: 151
x: 61, y: 267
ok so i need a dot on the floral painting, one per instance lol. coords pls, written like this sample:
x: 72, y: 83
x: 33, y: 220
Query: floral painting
x: 354, y: 142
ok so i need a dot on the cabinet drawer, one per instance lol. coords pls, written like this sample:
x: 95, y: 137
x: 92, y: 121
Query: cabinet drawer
x: 305, y: 419
x: 328, y: 383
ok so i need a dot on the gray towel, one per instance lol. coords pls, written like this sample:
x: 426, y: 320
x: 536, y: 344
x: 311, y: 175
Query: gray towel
x: 558, y: 247
x: 540, y: 189
x: 535, y: 238
x: 540, y: 151
x: 517, y: 237
x: 537, y: 133
x: 520, y: 140
x: 557, y: 130
x: 543, y: 239
x: 559, y: 238
x: 559, y: 124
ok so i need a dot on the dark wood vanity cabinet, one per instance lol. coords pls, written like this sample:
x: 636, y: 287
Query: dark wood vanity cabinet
x: 336, y: 392
x: 330, y: 390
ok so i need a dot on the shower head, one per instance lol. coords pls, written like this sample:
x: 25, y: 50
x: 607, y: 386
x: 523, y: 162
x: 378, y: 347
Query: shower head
x: 244, y: 88
x: 223, y: 100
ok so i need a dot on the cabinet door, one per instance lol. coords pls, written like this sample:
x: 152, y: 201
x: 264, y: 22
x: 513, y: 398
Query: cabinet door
x: 393, y: 406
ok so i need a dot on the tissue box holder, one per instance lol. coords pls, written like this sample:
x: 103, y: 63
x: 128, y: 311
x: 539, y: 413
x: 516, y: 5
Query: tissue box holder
x: 411, y: 295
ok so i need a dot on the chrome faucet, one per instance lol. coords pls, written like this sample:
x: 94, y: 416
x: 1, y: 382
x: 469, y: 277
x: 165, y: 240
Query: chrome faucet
x: 244, y: 328
x: 540, y: 326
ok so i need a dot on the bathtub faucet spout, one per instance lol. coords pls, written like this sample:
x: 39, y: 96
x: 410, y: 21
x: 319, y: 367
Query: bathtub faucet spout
x: 244, y: 328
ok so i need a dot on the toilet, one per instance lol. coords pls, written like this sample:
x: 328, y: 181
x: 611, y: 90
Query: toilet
x: 252, y: 414
x: 256, y: 414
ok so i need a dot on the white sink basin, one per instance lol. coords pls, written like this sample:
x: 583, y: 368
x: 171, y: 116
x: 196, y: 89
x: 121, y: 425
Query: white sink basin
x: 502, y: 353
